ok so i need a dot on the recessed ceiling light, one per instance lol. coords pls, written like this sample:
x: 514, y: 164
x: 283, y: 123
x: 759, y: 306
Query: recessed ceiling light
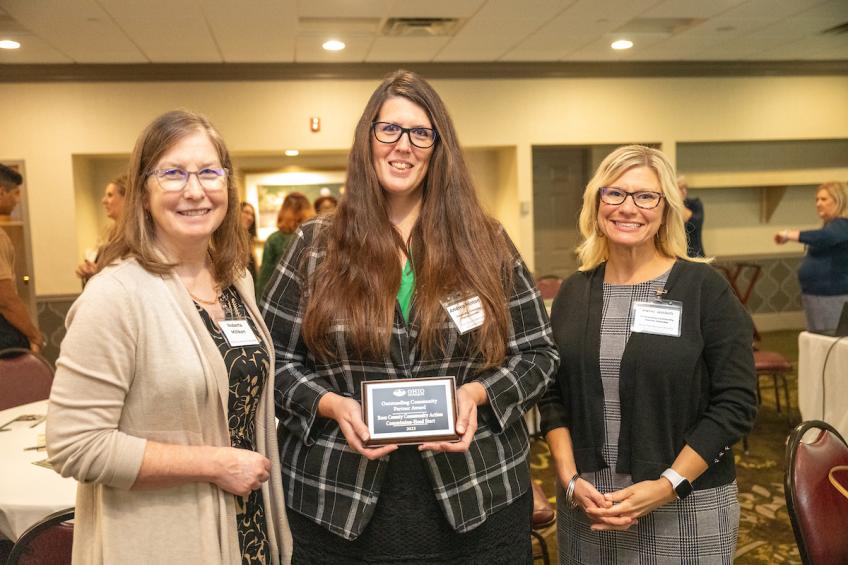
x: 292, y: 152
x: 9, y: 44
x: 333, y: 45
x: 620, y: 44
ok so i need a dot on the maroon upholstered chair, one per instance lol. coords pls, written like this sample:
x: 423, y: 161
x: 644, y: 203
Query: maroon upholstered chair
x: 548, y: 286
x: 773, y: 364
x: 48, y: 541
x: 818, y: 511
x: 24, y: 377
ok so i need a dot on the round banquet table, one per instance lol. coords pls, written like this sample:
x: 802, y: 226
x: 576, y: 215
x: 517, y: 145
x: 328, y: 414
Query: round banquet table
x: 28, y: 492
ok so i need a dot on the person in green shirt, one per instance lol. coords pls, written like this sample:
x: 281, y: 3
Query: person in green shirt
x: 295, y: 210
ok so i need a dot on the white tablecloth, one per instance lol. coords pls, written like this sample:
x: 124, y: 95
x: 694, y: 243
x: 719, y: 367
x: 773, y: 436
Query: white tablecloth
x: 812, y: 351
x: 28, y: 492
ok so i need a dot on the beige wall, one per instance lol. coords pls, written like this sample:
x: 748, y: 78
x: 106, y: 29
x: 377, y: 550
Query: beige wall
x: 47, y: 124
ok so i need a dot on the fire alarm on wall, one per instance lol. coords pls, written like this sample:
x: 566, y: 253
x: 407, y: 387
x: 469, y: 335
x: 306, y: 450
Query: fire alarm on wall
x: 315, y: 123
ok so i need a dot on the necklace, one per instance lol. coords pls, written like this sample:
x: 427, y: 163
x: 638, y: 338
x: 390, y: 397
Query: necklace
x: 206, y: 302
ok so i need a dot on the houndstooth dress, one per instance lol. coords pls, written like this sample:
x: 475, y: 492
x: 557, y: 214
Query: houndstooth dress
x: 702, y: 529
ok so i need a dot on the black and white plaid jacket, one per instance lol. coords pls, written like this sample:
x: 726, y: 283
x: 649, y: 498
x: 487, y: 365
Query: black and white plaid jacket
x: 327, y: 481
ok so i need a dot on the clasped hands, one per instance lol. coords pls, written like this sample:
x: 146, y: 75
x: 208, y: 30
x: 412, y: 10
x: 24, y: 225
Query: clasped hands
x: 621, y: 509
x: 347, y: 412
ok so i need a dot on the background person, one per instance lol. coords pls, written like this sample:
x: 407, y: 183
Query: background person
x: 164, y: 418
x: 295, y: 210
x: 824, y: 271
x: 642, y: 412
x: 325, y: 204
x: 693, y: 220
x: 16, y: 327
x: 248, y: 224
x: 113, y: 204
x: 359, y: 297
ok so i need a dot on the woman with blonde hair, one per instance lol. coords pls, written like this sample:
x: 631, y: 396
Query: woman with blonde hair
x: 656, y: 381
x: 295, y: 210
x: 363, y: 294
x: 113, y: 204
x: 162, y: 403
x: 824, y: 272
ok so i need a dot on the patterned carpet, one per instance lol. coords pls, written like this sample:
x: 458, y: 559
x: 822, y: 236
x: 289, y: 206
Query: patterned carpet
x: 765, y: 534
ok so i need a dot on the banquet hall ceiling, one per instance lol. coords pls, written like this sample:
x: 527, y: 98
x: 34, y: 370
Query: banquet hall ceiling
x: 431, y: 31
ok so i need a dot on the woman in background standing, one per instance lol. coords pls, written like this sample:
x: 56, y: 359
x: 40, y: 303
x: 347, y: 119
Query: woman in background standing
x: 295, y: 210
x: 248, y: 224
x: 824, y: 272
x: 113, y: 204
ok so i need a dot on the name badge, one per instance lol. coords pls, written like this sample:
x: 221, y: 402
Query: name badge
x: 659, y: 317
x: 238, y: 333
x: 466, y: 313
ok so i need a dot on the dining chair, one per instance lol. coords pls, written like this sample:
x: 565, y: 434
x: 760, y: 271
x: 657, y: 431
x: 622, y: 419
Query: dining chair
x: 24, y: 377
x: 817, y: 504
x: 48, y: 541
x: 549, y: 286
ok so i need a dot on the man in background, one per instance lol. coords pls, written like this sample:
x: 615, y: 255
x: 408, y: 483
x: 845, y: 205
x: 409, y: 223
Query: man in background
x: 16, y: 328
x: 693, y: 215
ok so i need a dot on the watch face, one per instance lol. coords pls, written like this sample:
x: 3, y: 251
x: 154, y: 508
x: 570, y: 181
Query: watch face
x: 683, y: 489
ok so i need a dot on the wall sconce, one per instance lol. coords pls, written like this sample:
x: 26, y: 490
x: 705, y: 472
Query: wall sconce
x: 314, y: 124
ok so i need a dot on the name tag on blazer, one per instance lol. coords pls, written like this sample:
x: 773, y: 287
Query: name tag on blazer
x: 238, y: 333
x: 658, y: 317
x: 466, y: 313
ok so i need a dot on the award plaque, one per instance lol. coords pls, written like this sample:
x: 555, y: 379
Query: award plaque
x: 410, y: 411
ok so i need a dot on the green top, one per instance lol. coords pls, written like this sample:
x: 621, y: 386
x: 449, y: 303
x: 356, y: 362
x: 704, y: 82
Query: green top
x: 406, y: 290
x: 275, y: 245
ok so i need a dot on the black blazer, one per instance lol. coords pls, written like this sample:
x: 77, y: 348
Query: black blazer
x: 696, y: 389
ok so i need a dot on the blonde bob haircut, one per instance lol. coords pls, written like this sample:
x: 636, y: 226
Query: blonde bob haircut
x: 135, y: 234
x: 839, y: 192
x: 670, y: 240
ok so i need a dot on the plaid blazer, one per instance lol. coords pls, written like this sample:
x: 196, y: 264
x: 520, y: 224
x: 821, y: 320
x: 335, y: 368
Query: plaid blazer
x: 327, y: 481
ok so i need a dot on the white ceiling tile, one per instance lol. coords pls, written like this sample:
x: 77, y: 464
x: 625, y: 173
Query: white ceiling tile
x: 534, y: 9
x: 343, y: 8
x: 770, y: 10
x: 166, y: 31
x: 255, y: 31
x: 309, y: 50
x: 405, y: 49
x: 33, y: 50
x: 485, y: 39
x: 81, y: 29
x: 434, y: 8
x: 689, y: 8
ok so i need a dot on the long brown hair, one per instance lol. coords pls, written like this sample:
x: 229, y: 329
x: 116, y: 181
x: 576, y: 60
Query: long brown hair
x: 295, y: 210
x: 135, y: 232
x: 455, y: 247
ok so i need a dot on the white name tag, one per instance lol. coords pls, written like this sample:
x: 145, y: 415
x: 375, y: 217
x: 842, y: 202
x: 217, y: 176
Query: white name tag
x: 238, y: 333
x: 467, y: 314
x: 661, y: 317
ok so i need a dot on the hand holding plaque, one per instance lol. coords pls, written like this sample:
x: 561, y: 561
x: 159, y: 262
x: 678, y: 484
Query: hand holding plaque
x: 410, y: 411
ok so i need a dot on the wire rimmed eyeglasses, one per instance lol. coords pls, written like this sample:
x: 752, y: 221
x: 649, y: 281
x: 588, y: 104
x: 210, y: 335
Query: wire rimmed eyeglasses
x: 174, y: 179
x: 387, y: 132
x: 645, y: 199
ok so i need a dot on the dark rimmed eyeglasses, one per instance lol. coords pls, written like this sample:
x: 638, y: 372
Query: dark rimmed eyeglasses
x: 174, y: 179
x: 645, y: 199
x: 387, y: 132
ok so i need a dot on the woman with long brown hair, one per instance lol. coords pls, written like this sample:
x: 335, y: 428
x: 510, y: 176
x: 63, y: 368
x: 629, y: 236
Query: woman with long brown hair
x: 361, y: 296
x: 295, y: 210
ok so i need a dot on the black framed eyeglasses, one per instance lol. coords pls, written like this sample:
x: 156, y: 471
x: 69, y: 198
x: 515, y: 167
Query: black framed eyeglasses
x: 174, y: 179
x: 387, y: 132
x: 645, y: 199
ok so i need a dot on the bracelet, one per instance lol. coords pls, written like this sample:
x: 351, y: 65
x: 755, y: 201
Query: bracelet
x: 569, y: 492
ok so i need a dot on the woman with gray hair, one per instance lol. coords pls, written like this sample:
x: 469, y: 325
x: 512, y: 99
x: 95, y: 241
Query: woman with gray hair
x: 824, y: 272
x: 656, y: 380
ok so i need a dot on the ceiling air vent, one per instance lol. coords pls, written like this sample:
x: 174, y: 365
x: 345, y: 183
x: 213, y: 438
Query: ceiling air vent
x: 421, y: 27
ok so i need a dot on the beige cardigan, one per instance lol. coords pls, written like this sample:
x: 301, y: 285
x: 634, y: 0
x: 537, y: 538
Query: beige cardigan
x: 138, y: 363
